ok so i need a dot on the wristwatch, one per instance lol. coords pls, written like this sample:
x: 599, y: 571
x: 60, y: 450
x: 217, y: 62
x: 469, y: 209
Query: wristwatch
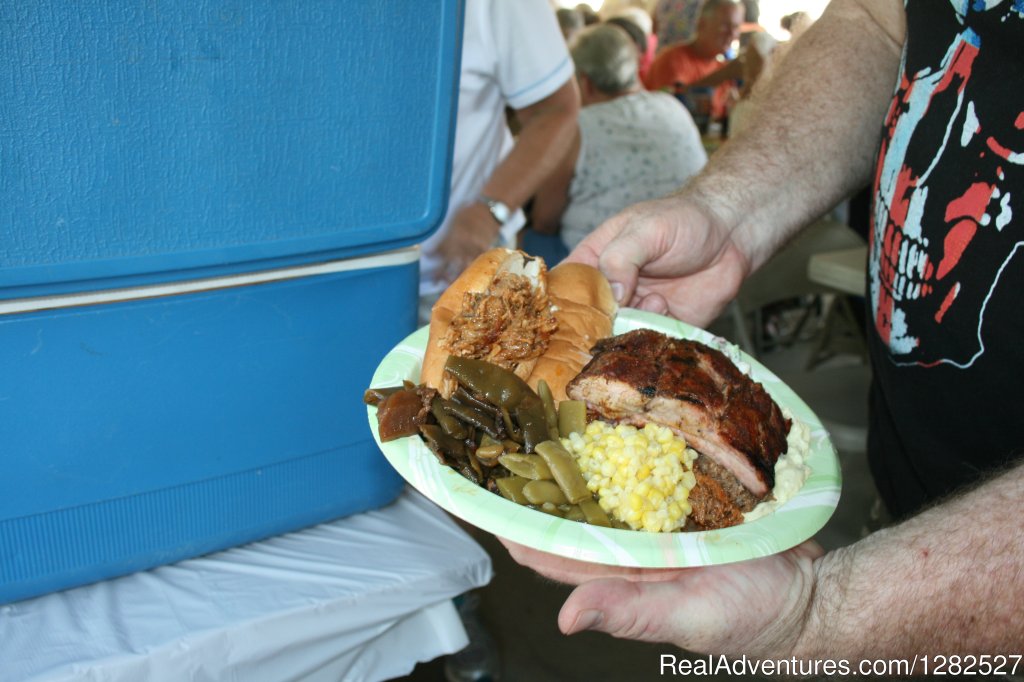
x: 499, y: 209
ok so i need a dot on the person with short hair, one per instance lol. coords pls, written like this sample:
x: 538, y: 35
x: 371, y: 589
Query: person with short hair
x: 632, y: 144
x: 701, y: 61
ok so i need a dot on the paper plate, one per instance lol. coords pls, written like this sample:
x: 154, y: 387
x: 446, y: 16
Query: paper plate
x: 797, y: 520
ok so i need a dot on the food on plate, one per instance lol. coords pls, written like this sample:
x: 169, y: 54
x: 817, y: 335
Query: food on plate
x: 400, y: 410
x: 525, y: 392
x: 497, y: 310
x: 584, y: 309
x: 644, y: 376
x: 507, y: 308
x: 642, y: 477
x: 497, y: 432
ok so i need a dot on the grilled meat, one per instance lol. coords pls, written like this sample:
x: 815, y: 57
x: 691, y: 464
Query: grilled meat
x: 644, y: 376
x: 718, y: 500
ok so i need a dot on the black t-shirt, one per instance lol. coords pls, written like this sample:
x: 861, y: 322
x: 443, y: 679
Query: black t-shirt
x: 946, y: 265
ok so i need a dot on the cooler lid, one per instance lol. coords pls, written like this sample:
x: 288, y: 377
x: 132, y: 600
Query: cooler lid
x: 156, y: 141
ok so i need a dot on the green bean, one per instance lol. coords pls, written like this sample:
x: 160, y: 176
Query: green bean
x: 593, y: 513
x: 490, y: 454
x: 471, y: 416
x: 498, y: 386
x: 574, y: 513
x: 511, y: 488
x: 564, y: 470
x: 441, y: 444
x: 452, y: 426
x: 539, y: 492
x: 553, y: 509
x: 530, y: 417
x: 572, y: 417
x: 532, y: 467
x: 464, y: 397
x: 550, y: 414
x: 514, y: 433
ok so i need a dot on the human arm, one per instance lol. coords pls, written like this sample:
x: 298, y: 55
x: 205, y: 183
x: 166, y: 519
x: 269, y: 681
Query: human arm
x: 947, y: 581
x: 729, y: 71
x: 552, y: 197
x: 819, y: 121
x: 544, y: 137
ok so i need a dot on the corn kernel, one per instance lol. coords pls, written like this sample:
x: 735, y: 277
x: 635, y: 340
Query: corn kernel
x: 641, y: 476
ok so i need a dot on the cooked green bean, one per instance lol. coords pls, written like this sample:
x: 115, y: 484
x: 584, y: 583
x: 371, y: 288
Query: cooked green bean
x: 497, y: 385
x: 472, y: 416
x: 593, y: 514
x: 441, y: 444
x: 539, y: 492
x: 553, y: 509
x: 511, y: 488
x: 530, y: 417
x: 574, y: 513
x: 489, y: 454
x: 452, y: 426
x: 564, y: 470
x: 550, y: 414
x: 532, y: 467
x: 464, y: 397
x: 514, y: 433
x: 572, y: 417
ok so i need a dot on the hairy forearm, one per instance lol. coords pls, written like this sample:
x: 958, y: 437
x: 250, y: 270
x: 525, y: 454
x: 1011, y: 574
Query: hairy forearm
x: 819, y: 121
x: 948, y: 581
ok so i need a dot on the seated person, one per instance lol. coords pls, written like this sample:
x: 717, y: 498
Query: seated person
x: 701, y: 62
x: 632, y: 19
x: 570, y: 21
x: 632, y: 144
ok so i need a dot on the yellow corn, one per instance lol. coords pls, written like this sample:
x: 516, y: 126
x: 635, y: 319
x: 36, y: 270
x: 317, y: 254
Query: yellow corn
x: 641, y: 477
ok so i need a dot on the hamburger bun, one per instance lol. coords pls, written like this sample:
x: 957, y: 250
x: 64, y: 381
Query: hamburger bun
x: 497, y: 310
x: 585, y: 310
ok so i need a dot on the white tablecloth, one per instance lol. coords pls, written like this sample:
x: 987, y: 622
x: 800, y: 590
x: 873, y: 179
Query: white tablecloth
x: 361, y: 598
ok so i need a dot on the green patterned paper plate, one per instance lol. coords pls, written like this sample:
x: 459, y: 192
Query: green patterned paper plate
x: 795, y: 521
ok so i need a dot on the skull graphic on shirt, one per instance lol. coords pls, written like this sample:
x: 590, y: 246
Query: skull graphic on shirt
x: 949, y: 178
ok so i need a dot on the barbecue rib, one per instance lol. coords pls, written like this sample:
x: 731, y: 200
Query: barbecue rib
x: 645, y: 376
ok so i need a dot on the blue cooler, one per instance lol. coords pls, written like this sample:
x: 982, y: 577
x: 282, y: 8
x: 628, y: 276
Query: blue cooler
x: 208, y: 219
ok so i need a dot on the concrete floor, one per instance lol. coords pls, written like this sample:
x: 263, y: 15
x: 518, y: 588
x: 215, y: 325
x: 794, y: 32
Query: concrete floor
x: 519, y: 608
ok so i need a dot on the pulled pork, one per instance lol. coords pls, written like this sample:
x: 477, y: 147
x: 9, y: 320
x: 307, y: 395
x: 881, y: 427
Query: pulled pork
x: 505, y: 326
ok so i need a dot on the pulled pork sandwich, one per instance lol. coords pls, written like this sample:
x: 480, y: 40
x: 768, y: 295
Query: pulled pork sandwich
x: 508, y: 309
x: 498, y: 310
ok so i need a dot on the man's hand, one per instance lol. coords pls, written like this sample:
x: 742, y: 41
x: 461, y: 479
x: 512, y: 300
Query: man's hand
x: 756, y: 607
x: 473, y: 230
x: 667, y: 256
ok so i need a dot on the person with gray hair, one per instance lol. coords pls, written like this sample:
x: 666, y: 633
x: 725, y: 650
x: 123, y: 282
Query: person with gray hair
x: 631, y: 144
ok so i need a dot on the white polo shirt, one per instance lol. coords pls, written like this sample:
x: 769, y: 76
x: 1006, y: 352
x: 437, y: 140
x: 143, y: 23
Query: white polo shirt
x: 513, y: 54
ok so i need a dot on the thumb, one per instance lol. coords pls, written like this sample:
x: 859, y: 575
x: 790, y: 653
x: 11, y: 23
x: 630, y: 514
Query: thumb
x: 621, y: 261
x: 622, y: 608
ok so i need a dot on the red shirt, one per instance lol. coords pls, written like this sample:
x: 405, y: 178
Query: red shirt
x: 678, y: 64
